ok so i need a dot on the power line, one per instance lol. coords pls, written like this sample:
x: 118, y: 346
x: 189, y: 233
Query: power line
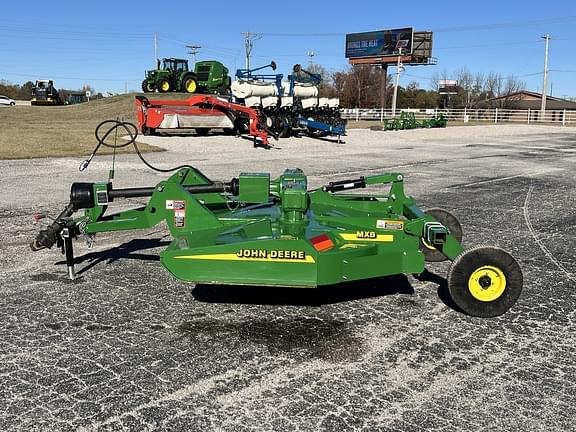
x: 67, y: 78
x: 506, y: 77
x: 249, y: 39
x: 465, y: 28
x: 487, y: 45
x: 493, y: 26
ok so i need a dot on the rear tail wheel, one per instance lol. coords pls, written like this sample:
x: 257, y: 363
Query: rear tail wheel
x: 485, y: 281
x: 190, y: 85
x: 431, y: 254
x: 164, y: 86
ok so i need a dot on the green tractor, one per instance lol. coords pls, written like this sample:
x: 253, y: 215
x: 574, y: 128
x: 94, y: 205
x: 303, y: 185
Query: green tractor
x: 174, y: 75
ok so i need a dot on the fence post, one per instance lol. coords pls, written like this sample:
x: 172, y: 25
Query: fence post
x: 528, y: 115
x: 564, y: 117
x: 496, y: 116
x: 381, y: 114
x: 357, y: 114
x: 465, y: 114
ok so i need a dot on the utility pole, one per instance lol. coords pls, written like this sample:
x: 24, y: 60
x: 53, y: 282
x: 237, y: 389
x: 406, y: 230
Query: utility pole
x: 249, y: 39
x: 310, y: 54
x: 194, y: 50
x: 545, y: 85
x: 398, y: 69
x: 155, y: 49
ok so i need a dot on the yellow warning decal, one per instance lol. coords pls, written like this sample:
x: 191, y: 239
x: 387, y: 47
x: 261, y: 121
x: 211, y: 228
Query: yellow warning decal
x: 256, y: 255
x: 367, y: 236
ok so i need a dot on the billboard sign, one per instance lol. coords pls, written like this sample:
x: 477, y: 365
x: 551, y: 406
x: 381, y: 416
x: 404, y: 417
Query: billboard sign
x: 448, y: 86
x: 379, y: 43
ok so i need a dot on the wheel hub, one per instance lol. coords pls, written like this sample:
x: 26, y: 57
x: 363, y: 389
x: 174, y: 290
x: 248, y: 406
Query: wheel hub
x: 487, y: 283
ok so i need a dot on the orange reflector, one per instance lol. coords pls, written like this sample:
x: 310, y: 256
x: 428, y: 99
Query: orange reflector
x: 322, y: 242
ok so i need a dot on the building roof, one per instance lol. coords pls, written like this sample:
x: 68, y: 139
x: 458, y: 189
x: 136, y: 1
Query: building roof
x: 526, y: 99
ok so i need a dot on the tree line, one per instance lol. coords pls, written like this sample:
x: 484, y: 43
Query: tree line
x: 366, y: 86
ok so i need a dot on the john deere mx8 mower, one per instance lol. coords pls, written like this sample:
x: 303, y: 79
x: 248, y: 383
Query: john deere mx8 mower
x: 256, y: 230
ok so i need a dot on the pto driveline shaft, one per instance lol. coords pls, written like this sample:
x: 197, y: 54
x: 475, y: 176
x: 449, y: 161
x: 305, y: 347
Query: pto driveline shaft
x: 216, y: 187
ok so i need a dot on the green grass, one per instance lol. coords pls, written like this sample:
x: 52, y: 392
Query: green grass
x: 38, y: 131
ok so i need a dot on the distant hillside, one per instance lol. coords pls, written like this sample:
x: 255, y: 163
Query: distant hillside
x: 35, y: 131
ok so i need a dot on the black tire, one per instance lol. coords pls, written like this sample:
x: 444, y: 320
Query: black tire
x: 285, y: 132
x: 148, y: 131
x: 431, y: 254
x: 485, y: 281
x: 202, y: 131
x: 189, y: 85
x: 147, y: 87
x: 164, y: 86
x: 12, y: 103
x: 224, y: 90
x: 240, y: 126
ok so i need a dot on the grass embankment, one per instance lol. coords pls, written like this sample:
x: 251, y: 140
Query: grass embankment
x: 55, y: 131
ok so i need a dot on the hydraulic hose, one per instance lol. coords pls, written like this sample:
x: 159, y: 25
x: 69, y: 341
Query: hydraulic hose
x: 49, y: 236
x: 132, y: 131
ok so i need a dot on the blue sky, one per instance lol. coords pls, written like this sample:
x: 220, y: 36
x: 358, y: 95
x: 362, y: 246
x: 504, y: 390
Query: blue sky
x: 109, y: 44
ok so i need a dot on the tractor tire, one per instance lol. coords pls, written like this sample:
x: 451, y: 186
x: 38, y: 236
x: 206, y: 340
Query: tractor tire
x: 164, y: 86
x: 224, y: 90
x: 431, y: 254
x: 147, y: 87
x: 485, y: 281
x: 189, y: 85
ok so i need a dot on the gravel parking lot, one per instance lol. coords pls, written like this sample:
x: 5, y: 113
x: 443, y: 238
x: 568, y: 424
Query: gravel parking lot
x: 127, y: 347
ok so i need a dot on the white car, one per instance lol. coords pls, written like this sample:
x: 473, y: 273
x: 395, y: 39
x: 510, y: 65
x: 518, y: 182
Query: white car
x: 4, y: 100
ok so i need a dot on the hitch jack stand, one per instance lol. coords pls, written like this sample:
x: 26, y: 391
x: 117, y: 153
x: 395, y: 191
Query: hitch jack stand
x: 68, y: 250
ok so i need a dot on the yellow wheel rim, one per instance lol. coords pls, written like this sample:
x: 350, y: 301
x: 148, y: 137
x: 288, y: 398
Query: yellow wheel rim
x: 190, y: 86
x: 165, y: 86
x: 487, y: 283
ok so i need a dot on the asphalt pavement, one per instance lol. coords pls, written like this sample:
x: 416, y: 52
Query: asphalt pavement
x: 127, y: 347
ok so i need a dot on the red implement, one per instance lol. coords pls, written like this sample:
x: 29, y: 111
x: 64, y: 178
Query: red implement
x: 200, y: 112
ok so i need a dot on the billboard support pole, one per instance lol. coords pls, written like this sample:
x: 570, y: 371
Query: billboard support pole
x: 395, y: 95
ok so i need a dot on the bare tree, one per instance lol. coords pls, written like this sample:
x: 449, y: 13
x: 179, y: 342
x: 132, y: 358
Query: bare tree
x: 493, y: 85
x: 326, y: 87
